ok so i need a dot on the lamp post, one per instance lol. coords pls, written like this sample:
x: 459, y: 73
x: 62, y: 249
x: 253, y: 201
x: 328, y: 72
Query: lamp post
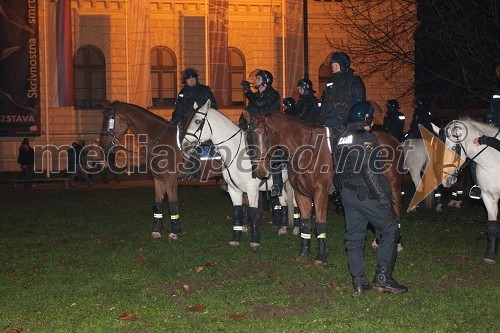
x: 306, y: 40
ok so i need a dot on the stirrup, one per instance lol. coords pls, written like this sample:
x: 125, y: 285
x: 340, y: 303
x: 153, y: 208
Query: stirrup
x: 475, y: 192
x: 275, y: 191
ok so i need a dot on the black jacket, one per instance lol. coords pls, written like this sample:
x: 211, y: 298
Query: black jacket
x: 199, y: 93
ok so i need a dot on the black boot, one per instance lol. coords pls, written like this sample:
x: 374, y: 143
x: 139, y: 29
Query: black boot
x: 284, y: 216
x: 237, y: 225
x: 192, y: 171
x: 254, y: 228
x: 305, y: 238
x: 157, y: 220
x: 360, y: 285
x: 175, y: 223
x: 384, y: 282
x: 322, y: 252
x: 492, y: 242
x: 276, y: 214
x: 277, y: 184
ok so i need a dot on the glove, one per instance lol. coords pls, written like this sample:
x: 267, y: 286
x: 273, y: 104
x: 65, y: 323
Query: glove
x: 384, y: 202
x: 243, y: 125
x: 482, y: 140
x: 245, y: 85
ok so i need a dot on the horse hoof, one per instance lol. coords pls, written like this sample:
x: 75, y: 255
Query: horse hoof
x: 282, y: 231
x: 489, y: 261
x: 234, y: 243
x: 458, y: 204
x: 172, y: 236
x: 452, y: 203
x: 439, y: 208
x: 374, y: 244
x: 400, y: 247
x: 254, y: 246
x: 296, y: 231
x: 301, y: 258
x: 155, y: 235
x: 245, y: 229
x: 319, y: 263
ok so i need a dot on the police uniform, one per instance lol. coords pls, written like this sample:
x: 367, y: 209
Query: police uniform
x: 394, y: 122
x: 366, y: 197
x: 198, y: 93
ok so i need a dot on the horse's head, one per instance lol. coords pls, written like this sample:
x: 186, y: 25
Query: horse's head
x: 453, y: 136
x: 260, y: 137
x: 113, y: 125
x: 197, y: 129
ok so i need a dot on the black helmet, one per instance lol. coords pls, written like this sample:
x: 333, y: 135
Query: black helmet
x: 342, y: 59
x: 305, y: 84
x: 267, y: 77
x: 189, y: 73
x: 289, y: 101
x: 422, y: 102
x: 360, y: 112
x: 392, y: 104
x: 25, y: 140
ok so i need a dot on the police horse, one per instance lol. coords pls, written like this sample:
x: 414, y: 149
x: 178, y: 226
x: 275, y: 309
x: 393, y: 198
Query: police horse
x: 311, y: 169
x: 230, y: 142
x: 159, y: 142
x: 459, y: 136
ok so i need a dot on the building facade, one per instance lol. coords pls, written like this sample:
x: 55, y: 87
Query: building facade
x: 135, y: 50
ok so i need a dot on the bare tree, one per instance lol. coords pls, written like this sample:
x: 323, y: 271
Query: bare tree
x: 453, y: 46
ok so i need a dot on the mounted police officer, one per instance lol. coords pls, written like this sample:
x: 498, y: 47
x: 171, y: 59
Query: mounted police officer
x: 289, y: 107
x: 367, y: 198
x: 264, y: 101
x: 308, y: 104
x: 341, y: 92
x: 421, y: 115
x: 492, y: 116
x: 394, y: 120
x: 192, y: 92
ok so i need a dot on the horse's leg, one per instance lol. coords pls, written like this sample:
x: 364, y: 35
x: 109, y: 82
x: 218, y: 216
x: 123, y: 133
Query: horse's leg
x: 296, y: 218
x: 238, y: 215
x: 283, y: 219
x: 321, y: 205
x: 172, y: 187
x: 305, y: 206
x: 158, y: 209
x: 493, y: 228
x: 253, y: 202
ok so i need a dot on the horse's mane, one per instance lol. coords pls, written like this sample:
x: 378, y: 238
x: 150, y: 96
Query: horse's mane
x: 144, y: 111
x: 480, y: 127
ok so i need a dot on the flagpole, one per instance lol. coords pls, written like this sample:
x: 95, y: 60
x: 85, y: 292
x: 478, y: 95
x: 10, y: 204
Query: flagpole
x: 306, y: 40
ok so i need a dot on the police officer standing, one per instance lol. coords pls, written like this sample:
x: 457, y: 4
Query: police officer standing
x: 394, y: 120
x: 341, y: 92
x: 367, y: 198
x: 308, y: 104
x: 192, y: 92
x: 265, y: 100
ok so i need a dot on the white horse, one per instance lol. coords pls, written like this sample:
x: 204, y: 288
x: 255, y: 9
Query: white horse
x: 416, y: 160
x: 459, y: 136
x: 230, y: 142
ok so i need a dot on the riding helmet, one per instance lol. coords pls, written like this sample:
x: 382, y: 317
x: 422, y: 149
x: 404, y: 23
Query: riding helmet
x: 267, y: 77
x: 392, y: 104
x: 189, y: 73
x: 342, y: 59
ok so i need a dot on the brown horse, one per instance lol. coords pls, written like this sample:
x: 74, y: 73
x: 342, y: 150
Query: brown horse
x: 158, y: 139
x: 310, y: 168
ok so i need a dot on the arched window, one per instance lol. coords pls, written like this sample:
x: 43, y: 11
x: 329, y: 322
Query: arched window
x: 324, y: 76
x: 163, y: 77
x: 90, y: 77
x: 237, y: 74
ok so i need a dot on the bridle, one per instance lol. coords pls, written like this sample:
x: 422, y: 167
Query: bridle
x: 115, y: 139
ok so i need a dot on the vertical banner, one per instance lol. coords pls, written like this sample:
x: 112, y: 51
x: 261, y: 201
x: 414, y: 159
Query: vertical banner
x: 65, y: 74
x: 294, y: 45
x: 139, y: 50
x: 219, y: 54
x: 19, y: 68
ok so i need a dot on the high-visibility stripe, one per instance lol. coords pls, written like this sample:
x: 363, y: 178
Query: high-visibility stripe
x: 277, y: 207
x: 174, y: 217
x: 323, y: 235
x: 238, y: 228
x: 305, y: 236
x: 158, y: 216
x: 460, y: 192
x: 437, y: 195
x: 454, y: 194
x: 296, y: 216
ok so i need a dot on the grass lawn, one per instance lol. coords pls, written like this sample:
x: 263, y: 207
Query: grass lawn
x: 82, y: 260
